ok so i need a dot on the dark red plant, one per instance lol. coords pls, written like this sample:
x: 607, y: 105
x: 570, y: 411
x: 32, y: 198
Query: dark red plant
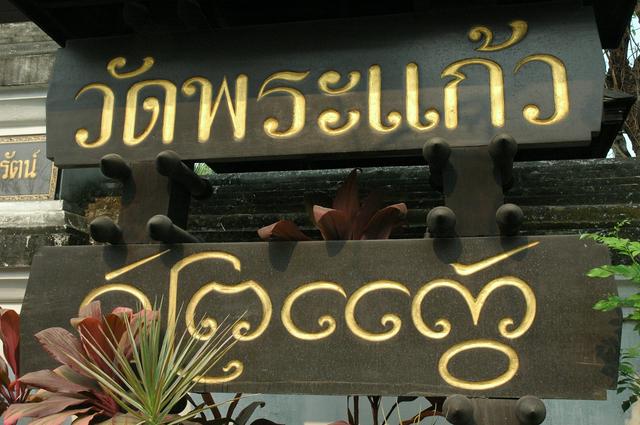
x: 12, y: 390
x: 348, y: 219
x: 69, y: 390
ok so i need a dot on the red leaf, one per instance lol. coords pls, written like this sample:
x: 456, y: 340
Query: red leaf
x: 51, y: 381
x: 70, y: 375
x: 346, y: 199
x: 140, y: 321
x: 384, y: 221
x: 85, y: 420
x: 94, y: 341
x: 60, y: 418
x: 64, y: 347
x: 10, y: 333
x: 92, y: 309
x: 282, y: 230
x: 333, y: 224
x: 123, y: 311
x: 370, y: 206
x: 49, y: 406
x: 115, y: 327
x: 4, y: 373
x: 122, y: 419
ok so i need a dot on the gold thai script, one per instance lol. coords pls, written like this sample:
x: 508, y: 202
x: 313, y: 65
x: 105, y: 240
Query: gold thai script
x: 12, y: 168
x: 509, y: 328
x: 146, y: 112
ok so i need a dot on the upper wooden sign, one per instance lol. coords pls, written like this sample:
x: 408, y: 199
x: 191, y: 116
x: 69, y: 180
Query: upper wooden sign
x: 493, y: 317
x: 373, y: 88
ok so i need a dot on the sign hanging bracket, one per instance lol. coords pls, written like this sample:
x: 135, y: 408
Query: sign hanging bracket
x: 473, y: 181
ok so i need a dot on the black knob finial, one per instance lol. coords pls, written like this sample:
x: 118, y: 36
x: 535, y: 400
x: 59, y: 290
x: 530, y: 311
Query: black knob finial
x: 458, y: 410
x: 169, y: 164
x: 441, y: 222
x: 103, y: 229
x: 530, y: 410
x: 161, y: 228
x: 436, y: 152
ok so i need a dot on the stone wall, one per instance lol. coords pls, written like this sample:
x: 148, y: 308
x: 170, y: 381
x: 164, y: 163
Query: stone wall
x: 557, y: 197
x: 27, y: 226
x: 26, y: 55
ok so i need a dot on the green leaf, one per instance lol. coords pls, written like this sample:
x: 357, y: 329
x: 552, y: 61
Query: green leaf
x: 122, y: 419
x: 627, y: 272
x: 626, y: 405
x: 599, y: 272
x: 609, y: 304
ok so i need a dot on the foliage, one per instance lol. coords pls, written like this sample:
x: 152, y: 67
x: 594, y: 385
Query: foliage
x: 160, y: 371
x: 219, y: 419
x: 69, y: 390
x: 202, y: 169
x: 12, y: 390
x: 630, y: 251
x: 348, y: 219
x: 623, y: 73
x: 123, y: 369
x: 375, y: 402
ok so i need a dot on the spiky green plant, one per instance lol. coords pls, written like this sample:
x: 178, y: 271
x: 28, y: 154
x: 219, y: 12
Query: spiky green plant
x: 157, y: 373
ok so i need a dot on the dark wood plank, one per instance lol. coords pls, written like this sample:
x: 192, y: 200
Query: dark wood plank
x: 568, y: 351
x: 433, y: 43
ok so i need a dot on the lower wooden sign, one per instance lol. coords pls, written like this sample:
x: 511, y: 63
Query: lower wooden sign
x: 481, y: 316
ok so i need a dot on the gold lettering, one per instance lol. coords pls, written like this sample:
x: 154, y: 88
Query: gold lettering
x: 431, y: 116
x: 125, y: 269
x: 174, y: 274
x: 13, y: 168
x: 469, y: 269
x: 329, y: 118
x: 386, y: 319
x: 241, y: 327
x: 116, y: 63
x: 326, y: 321
x: 496, y: 88
x: 560, y: 91
x: 331, y: 78
x: 236, y: 366
x: 208, y: 326
x: 208, y: 111
x: 328, y: 121
x: 6, y: 162
x: 443, y: 365
x: 151, y: 104
x: 475, y: 306
x: 518, y: 32
x: 31, y: 174
x: 375, y: 104
x: 271, y: 124
x: 117, y: 287
x: 106, y: 120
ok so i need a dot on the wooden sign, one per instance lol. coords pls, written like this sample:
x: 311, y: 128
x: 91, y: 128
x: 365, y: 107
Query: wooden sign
x: 374, y: 88
x: 25, y: 172
x: 492, y: 317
